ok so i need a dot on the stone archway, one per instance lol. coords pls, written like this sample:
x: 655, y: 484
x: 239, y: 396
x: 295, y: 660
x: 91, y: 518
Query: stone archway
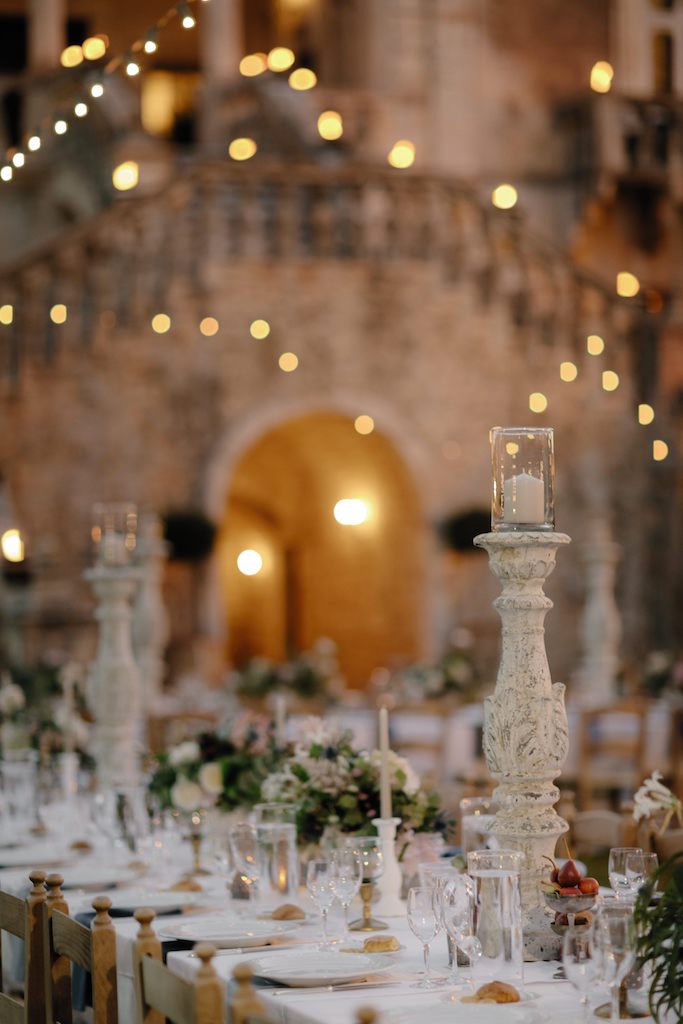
x: 362, y: 585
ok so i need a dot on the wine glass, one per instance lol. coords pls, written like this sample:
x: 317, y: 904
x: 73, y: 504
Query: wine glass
x: 369, y: 850
x: 244, y: 848
x: 424, y: 920
x: 346, y: 879
x: 625, y: 886
x: 639, y: 867
x: 615, y: 941
x: 320, y: 884
x: 455, y: 896
x: 579, y: 963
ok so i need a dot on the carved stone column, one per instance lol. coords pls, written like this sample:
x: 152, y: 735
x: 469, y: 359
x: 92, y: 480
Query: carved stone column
x: 600, y: 623
x: 114, y: 681
x: 150, y: 620
x: 525, y: 723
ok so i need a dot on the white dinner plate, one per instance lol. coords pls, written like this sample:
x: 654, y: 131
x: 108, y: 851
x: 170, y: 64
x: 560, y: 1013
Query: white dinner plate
x: 97, y: 876
x: 463, y: 1013
x: 163, y: 902
x: 310, y: 968
x: 34, y: 855
x: 227, y: 932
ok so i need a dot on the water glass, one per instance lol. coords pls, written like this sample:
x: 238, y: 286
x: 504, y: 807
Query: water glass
x: 477, y: 814
x: 615, y: 940
x: 497, y: 914
x: 625, y: 885
x: 278, y: 861
x: 19, y: 784
x: 640, y: 867
x: 346, y: 879
x: 580, y: 963
x: 274, y: 813
x: 244, y: 849
x: 456, y: 901
x: 424, y: 920
x: 319, y: 882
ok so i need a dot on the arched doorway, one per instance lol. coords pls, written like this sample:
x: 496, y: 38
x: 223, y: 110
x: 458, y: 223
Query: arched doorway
x: 360, y: 584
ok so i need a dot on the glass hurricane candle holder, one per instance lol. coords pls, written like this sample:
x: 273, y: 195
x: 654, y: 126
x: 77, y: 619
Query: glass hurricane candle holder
x: 523, y: 461
x: 114, y: 532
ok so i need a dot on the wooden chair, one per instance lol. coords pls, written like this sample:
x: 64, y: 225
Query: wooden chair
x: 593, y: 832
x: 26, y: 919
x: 611, y: 749
x: 161, y: 994
x: 92, y: 949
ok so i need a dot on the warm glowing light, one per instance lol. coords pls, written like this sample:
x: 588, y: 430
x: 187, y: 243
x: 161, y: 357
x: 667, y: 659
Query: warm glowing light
x: 288, y: 362
x: 660, y: 450
x: 280, y: 58
x: 161, y: 322
x: 150, y: 46
x: 628, y: 284
x: 97, y: 90
x: 249, y: 562
x: 94, y: 48
x: 209, y: 326
x: 302, y: 79
x: 58, y: 313
x: 242, y: 149
x: 610, y: 380
x: 512, y: 448
x: 330, y: 125
x: 6, y: 173
x: 259, y: 329
x: 12, y: 546
x: 132, y: 68
x: 81, y: 109
x: 504, y: 196
x: 71, y: 57
x: 19, y: 159
x: 350, y: 511
x: 402, y: 154
x: 601, y: 77
x: 568, y: 371
x: 125, y: 176
x: 188, y: 21
x: 6, y: 314
x: 34, y: 143
x: 538, y: 402
x: 61, y: 127
x: 646, y: 414
x: 253, y: 64
x: 595, y: 346
x: 364, y: 424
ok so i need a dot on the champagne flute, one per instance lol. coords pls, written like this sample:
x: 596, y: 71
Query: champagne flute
x: 615, y: 940
x: 320, y: 884
x: 244, y: 850
x: 625, y: 887
x: 424, y: 920
x: 347, y: 876
x: 579, y: 963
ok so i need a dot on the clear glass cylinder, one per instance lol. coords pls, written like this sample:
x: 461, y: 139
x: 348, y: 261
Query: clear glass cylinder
x: 523, y: 462
x: 278, y: 863
x: 114, y: 532
x: 497, y: 915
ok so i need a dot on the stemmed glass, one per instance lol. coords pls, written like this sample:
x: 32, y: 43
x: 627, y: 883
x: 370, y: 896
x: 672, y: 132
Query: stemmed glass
x: 615, y: 941
x: 347, y: 874
x: 320, y: 884
x: 369, y: 850
x: 455, y: 896
x: 424, y: 920
x: 244, y: 848
x: 580, y: 963
x: 625, y: 886
x: 638, y: 867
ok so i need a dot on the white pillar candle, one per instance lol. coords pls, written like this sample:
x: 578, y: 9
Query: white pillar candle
x: 524, y: 500
x: 384, y: 777
x: 280, y: 719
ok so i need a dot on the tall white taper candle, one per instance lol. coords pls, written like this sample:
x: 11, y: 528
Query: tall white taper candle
x: 384, y: 777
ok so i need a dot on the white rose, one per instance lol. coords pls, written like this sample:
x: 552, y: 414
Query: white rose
x: 184, y: 753
x: 211, y: 778
x: 186, y: 795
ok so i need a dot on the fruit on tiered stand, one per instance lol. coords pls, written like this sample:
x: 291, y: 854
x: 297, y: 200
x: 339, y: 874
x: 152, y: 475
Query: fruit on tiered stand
x: 570, y: 895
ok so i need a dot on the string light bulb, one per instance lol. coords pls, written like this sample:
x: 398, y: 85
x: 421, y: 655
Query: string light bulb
x: 132, y: 69
x: 95, y: 47
x: 646, y: 414
x: 71, y: 57
x: 18, y: 159
x: 61, y: 127
x: 280, y: 58
x: 402, y: 154
x: 97, y: 90
x: 81, y: 109
x: 150, y: 45
x: 187, y: 18
x: 249, y: 562
x: 330, y: 125
x: 253, y: 64
x: 242, y: 149
x: 6, y: 173
x: 125, y: 176
x: 350, y: 511
x: 33, y: 143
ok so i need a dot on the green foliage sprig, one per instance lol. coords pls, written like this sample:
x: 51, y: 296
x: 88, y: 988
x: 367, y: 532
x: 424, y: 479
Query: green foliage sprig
x: 660, y: 938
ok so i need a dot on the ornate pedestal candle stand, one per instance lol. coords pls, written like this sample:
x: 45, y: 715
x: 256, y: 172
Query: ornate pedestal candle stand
x: 525, y: 723
x: 150, y: 621
x: 389, y: 883
x: 114, y: 682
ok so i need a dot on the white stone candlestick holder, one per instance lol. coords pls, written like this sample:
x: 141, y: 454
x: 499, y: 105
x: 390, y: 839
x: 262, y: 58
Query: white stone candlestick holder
x: 114, y: 680
x: 525, y: 722
x: 389, y: 883
x: 150, y: 628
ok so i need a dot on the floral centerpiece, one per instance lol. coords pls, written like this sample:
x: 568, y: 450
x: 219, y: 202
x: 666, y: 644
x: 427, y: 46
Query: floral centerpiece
x: 336, y: 787
x: 655, y: 801
x: 312, y: 675
x: 223, y: 769
x: 453, y: 675
x: 44, y: 709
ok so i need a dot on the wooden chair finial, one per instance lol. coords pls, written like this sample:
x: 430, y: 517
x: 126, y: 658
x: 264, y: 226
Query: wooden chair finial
x: 101, y: 905
x: 205, y: 951
x: 55, y: 896
x: 38, y: 879
x: 144, y: 916
x: 245, y: 1003
x: 366, y: 1015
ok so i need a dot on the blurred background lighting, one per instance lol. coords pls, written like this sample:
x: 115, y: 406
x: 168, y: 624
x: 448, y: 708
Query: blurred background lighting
x: 504, y: 196
x: 288, y: 362
x: 125, y: 176
x: 330, y: 125
x: 595, y: 346
x: 209, y: 326
x: 302, y: 79
x: 610, y: 380
x: 253, y: 64
x: 350, y: 511
x: 364, y: 424
x: 259, y: 329
x: 646, y: 414
x: 71, y: 57
x: 6, y: 314
x: 249, y: 562
x: 12, y: 546
x: 628, y: 284
x: 660, y: 450
x: 242, y: 149
x: 402, y: 154
x: 568, y: 371
x: 280, y: 58
x: 94, y: 47
x: 538, y: 402
x: 58, y: 313
x: 601, y: 76
x: 161, y: 323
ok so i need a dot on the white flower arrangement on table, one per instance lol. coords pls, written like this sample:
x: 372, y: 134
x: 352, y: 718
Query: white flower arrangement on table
x: 655, y: 798
x: 12, y: 698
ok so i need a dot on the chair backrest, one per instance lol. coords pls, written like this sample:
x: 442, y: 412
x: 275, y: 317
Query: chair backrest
x: 160, y: 994
x: 611, y: 748
x: 27, y: 919
x: 92, y: 949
